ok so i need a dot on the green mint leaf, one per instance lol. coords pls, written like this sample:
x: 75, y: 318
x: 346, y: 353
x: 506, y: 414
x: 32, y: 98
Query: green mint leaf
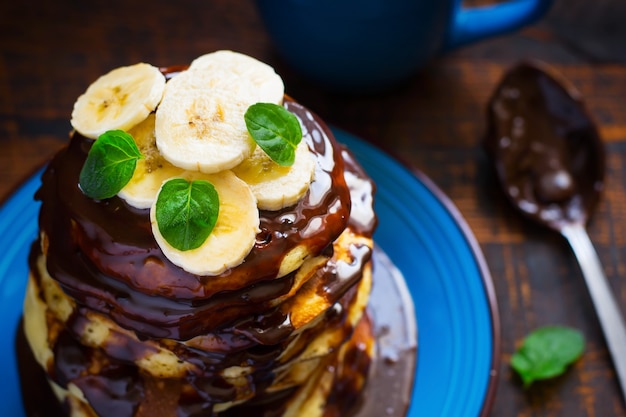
x: 276, y: 130
x: 110, y: 164
x: 186, y: 212
x: 546, y: 353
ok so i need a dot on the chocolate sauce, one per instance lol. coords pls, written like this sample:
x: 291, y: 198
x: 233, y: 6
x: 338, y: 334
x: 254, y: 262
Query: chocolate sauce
x: 362, y: 220
x: 386, y: 393
x: 546, y: 148
x: 118, y: 239
x: 104, y: 256
x: 103, y: 252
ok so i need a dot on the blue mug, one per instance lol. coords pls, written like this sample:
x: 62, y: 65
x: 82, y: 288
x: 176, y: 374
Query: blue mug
x: 363, y: 45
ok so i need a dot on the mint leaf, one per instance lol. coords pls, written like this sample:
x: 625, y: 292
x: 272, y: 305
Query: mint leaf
x: 546, y: 353
x: 110, y: 164
x: 276, y: 130
x: 186, y: 212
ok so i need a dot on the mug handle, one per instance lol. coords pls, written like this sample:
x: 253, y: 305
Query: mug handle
x: 475, y: 23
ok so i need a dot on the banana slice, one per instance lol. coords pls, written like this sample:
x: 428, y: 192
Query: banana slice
x: 262, y: 76
x: 151, y: 171
x: 200, y: 122
x: 275, y: 186
x: 119, y: 99
x: 232, y: 237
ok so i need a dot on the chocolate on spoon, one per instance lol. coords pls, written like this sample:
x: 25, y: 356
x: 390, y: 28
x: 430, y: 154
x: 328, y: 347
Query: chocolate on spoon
x: 549, y: 159
x: 546, y: 149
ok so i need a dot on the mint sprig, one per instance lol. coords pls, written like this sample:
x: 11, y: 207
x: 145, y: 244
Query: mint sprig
x: 110, y: 164
x: 276, y: 130
x: 186, y: 212
x: 546, y: 353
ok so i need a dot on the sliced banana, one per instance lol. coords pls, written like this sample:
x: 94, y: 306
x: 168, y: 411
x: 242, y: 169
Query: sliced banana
x: 120, y: 99
x: 200, y: 122
x: 151, y: 171
x: 263, y: 77
x: 275, y: 186
x: 232, y: 237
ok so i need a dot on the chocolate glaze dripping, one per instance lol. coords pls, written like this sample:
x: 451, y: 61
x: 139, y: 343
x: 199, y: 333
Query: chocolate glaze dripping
x: 115, y: 386
x: 118, y: 239
x: 387, y: 391
x: 104, y: 255
x: 98, y: 251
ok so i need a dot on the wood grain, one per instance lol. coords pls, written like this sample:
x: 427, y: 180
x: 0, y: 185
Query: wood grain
x: 51, y: 51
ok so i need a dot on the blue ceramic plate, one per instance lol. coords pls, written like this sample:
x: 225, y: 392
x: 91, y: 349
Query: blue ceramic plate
x: 423, y: 234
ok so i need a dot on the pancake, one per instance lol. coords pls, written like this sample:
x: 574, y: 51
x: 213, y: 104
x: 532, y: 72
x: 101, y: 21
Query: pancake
x: 120, y: 330
x: 389, y: 385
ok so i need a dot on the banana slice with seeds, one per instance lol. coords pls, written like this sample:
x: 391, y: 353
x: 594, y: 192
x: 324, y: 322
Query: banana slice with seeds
x: 200, y: 122
x: 151, y: 171
x: 232, y: 237
x: 275, y: 186
x: 120, y: 99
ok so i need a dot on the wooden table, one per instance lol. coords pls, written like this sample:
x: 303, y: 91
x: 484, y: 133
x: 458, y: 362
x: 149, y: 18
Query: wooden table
x: 50, y: 52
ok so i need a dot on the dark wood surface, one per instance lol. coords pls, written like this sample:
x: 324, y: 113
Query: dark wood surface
x: 51, y: 51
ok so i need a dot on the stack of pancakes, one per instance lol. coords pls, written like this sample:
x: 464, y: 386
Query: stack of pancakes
x: 121, y: 331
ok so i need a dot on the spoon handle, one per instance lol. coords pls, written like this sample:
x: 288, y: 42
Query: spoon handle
x: 605, y: 304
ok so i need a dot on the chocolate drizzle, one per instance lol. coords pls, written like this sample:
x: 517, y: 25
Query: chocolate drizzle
x: 387, y: 392
x: 104, y: 257
x: 103, y: 252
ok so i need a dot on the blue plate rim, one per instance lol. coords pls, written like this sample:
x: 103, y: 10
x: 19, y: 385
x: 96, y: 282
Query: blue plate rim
x: 487, y: 282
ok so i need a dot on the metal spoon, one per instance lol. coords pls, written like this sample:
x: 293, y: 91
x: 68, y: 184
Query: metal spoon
x: 550, y: 161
